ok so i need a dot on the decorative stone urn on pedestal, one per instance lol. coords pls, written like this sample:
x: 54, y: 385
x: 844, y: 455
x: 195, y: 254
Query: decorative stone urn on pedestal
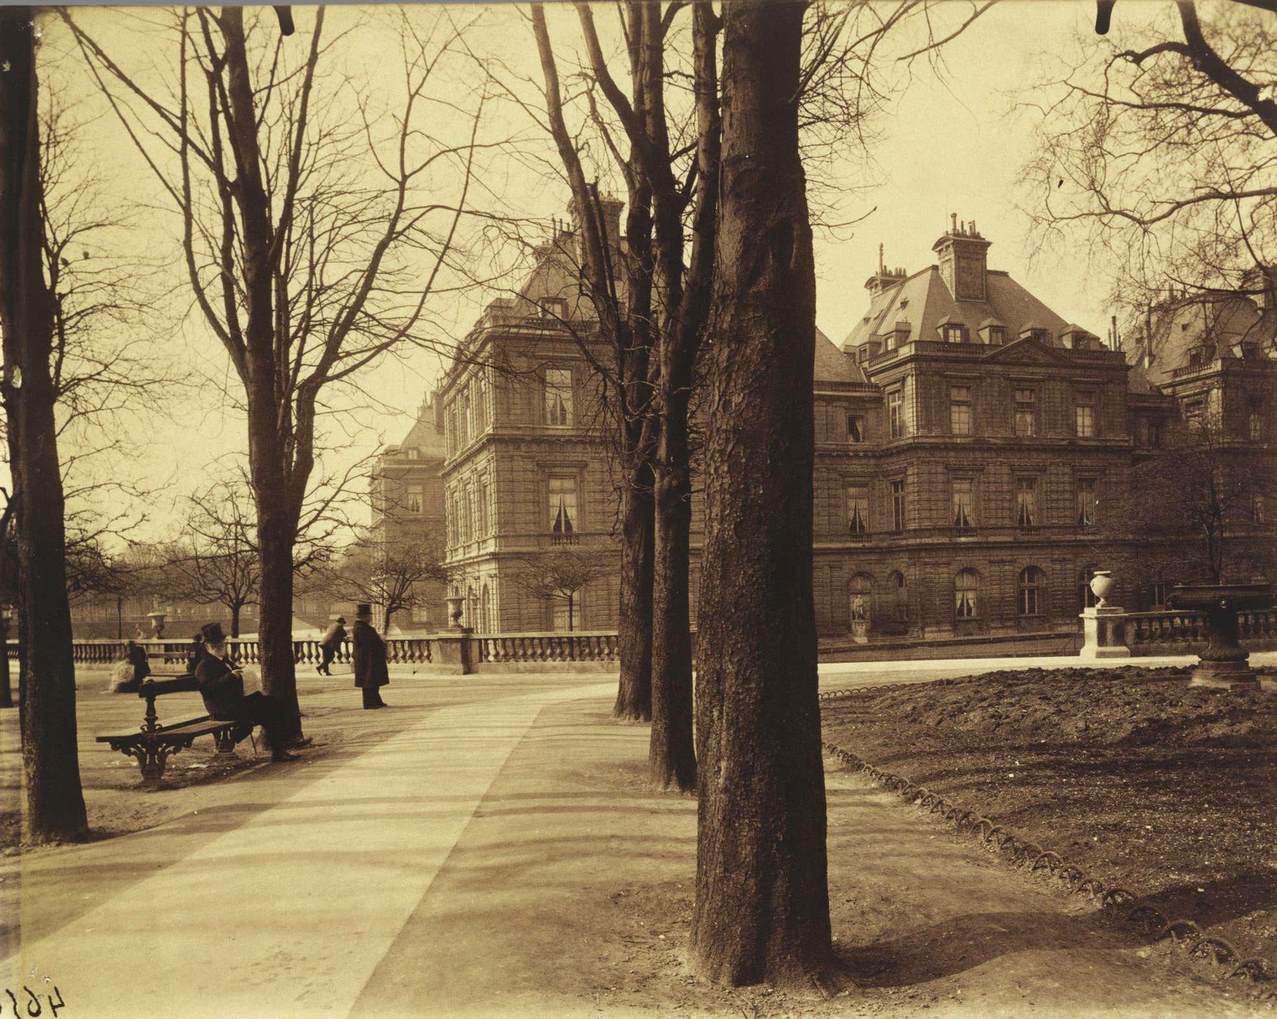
x: 1225, y: 663
x: 1101, y: 585
x: 157, y: 623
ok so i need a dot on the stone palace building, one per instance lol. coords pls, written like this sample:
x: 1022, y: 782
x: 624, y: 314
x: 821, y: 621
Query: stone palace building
x: 969, y: 443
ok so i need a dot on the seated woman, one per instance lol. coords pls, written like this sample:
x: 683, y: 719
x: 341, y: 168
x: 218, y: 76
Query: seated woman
x: 221, y: 685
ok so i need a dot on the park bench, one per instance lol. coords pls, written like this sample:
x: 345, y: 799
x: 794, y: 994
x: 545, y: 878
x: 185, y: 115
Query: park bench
x: 152, y: 745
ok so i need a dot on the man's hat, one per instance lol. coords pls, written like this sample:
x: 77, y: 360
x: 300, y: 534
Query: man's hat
x: 363, y: 609
x: 341, y: 619
x: 213, y: 633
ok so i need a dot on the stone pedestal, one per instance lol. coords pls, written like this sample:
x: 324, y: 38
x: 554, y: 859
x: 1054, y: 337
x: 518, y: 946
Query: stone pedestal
x: 1104, y: 633
x: 453, y: 652
x: 860, y: 631
x: 1232, y: 673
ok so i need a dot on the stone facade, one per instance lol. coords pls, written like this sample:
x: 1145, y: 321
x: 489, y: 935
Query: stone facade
x: 968, y: 440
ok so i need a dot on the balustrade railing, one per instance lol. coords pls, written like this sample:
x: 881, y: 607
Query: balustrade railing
x: 1172, y: 628
x: 399, y: 651
x: 548, y: 647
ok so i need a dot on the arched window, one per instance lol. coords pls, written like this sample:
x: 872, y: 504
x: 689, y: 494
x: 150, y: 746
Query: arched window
x: 1085, y: 596
x: 899, y: 596
x: 1032, y: 591
x: 860, y: 591
x: 966, y: 594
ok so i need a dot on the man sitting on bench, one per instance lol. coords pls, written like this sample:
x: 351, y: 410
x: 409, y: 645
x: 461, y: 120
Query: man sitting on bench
x: 222, y: 687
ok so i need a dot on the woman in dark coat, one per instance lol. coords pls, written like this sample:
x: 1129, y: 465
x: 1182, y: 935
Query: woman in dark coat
x: 371, y: 671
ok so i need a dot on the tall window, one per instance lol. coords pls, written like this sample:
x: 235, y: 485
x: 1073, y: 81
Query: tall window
x: 1026, y: 502
x: 896, y: 413
x: 473, y: 410
x: 563, y: 520
x: 1086, y: 502
x: 558, y: 396
x: 565, y: 615
x: 899, y: 596
x: 1084, y: 415
x: 857, y: 509
x: 1085, y: 596
x: 897, y: 505
x: 855, y: 428
x: 1158, y: 592
x: 1257, y: 509
x: 467, y: 514
x: 1026, y: 411
x: 1255, y: 425
x: 966, y: 594
x: 485, y: 411
x: 414, y: 497
x: 960, y: 410
x: 1032, y: 591
x: 464, y: 419
x: 483, y: 509
x: 963, y: 503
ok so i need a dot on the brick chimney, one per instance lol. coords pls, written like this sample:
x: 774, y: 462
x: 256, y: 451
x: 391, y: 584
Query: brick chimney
x: 884, y: 278
x: 963, y: 257
x: 1259, y: 283
x: 610, y: 208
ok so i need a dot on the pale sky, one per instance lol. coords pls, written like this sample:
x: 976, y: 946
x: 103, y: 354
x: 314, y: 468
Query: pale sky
x: 951, y: 142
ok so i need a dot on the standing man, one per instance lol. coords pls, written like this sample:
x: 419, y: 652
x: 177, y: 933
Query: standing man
x: 329, y: 645
x: 222, y: 687
x: 371, y: 672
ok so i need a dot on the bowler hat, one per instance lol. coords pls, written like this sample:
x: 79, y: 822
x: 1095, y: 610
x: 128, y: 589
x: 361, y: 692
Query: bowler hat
x: 213, y: 633
x: 363, y: 609
x: 342, y: 620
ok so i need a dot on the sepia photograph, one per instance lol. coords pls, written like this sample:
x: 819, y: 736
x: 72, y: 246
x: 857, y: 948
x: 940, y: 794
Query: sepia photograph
x: 638, y: 508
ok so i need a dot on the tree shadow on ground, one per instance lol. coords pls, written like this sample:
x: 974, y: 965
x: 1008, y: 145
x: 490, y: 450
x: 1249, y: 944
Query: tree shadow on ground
x: 964, y: 942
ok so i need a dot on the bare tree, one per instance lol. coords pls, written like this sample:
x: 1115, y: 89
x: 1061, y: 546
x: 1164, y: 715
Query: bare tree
x: 1159, y: 148
x: 217, y: 560
x: 762, y: 902
x: 560, y: 573
x: 314, y: 232
x: 391, y: 572
x: 54, y: 800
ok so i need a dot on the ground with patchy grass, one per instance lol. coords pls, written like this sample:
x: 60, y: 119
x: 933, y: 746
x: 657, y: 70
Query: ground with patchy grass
x: 1131, y: 774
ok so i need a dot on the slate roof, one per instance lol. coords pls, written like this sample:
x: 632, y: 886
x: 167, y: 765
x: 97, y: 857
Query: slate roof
x: 1218, y: 322
x: 832, y: 365
x: 425, y: 436
x: 923, y: 300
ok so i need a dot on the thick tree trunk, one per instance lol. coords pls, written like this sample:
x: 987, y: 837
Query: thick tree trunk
x: 634, y: 626
x: 671, y: 756
x: 54, y: 801
x: 276, y: 535
x: 236, y: 608
x: 762, y: 903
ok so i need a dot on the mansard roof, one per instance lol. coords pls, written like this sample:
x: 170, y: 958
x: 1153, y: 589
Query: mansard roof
x: 832, y: 365
x: 924, y: 300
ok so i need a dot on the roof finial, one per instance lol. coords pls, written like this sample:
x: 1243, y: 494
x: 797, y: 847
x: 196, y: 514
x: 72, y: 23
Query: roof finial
x: 953, y: 219
x: 882, y: 266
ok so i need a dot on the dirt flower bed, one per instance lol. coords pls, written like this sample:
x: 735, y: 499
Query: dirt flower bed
x: 1129, y: 773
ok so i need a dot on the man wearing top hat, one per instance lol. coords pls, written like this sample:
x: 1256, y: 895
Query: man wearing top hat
x: 371, y: 672
x: 222, y: 687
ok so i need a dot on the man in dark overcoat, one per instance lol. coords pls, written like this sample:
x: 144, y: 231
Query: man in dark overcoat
x: 221, y: 686
x: 371, y: 671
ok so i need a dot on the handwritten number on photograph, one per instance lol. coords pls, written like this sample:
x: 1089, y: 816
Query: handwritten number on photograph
x: 35, y: 1007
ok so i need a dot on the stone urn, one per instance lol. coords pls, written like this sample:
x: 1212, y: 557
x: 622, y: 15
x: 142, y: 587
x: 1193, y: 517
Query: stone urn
x: 1225, y: 663
x: 1101, y: 585
x: 157, y: 623
x: 455, y: 602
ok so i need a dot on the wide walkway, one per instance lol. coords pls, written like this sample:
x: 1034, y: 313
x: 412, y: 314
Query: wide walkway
x: 499, y: 856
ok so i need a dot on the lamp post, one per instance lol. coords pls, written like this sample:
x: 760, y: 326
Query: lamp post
x: 6, y: 691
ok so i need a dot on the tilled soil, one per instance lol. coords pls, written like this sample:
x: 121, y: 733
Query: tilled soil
x: 1140, y: 780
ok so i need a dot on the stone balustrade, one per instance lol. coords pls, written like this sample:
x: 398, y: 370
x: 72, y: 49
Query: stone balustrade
x: 1115, y: 633
x: 547, y: 647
